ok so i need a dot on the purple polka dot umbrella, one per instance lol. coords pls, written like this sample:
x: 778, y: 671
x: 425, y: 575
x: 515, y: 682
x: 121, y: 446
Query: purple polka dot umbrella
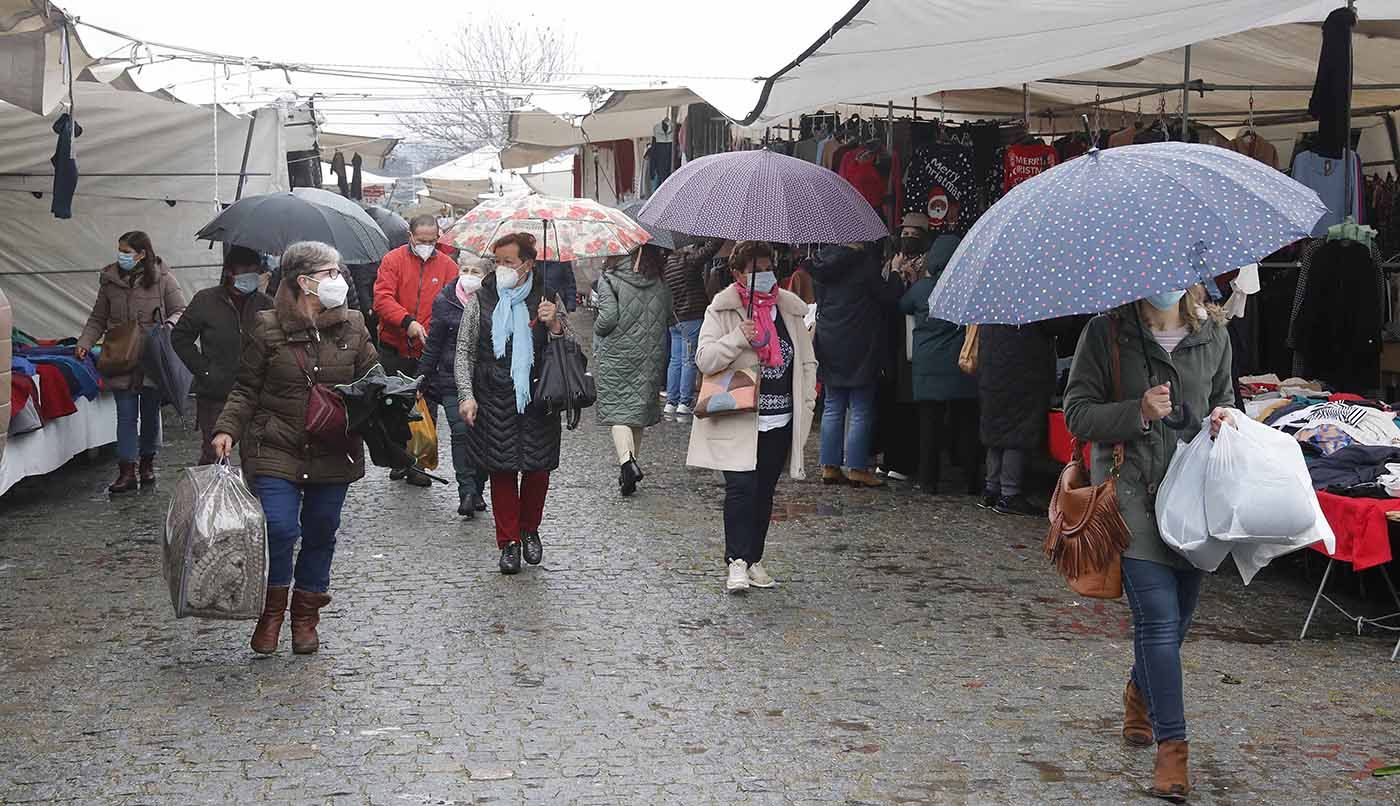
x: 762, y: 196
x: 1115, y: 226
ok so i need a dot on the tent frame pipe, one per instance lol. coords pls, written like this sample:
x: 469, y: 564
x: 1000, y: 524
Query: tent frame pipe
x: 1199, y: 85
x: 1186, y: 95
x: 1389, y: 119
x: 1348, y: 203
x: 243, y: 167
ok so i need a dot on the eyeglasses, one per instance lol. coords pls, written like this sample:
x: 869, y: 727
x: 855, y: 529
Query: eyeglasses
x: 333, y: 270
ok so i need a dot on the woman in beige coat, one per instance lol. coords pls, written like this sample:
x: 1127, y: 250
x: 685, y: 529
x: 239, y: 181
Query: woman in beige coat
x: 136, y: 288
x: 752, y: 448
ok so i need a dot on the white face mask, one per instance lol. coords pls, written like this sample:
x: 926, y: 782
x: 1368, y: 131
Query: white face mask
x: 423, y: 250
x: 332, y: 292
x: 471, y: 282
x: 507, y: 277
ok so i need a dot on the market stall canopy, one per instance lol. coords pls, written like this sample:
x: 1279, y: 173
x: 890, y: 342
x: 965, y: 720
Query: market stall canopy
x: 880, y: 49
x: 35, y: 43
x: 536, y: 135
x: 373, y: 150
x: 328, y: 179
x: 462, y: 182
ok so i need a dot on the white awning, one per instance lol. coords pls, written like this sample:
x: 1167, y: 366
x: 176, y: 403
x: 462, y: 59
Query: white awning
x: 885, y: 49
x: 373, y: 151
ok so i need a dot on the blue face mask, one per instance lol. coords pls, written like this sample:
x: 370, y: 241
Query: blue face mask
x: 126, y: 261
x: 1166, y: 300
x: 764, y: 281
x: 245, y: 283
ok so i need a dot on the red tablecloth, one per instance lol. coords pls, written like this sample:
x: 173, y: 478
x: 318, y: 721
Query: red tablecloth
x: 1363, y: 534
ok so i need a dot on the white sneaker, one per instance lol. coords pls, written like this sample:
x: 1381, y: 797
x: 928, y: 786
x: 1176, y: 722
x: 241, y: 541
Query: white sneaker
x: 738, y: 577
x: 758, y: 576
x: 683, y: 410
x: 670, y: 410
x: 895, y: 475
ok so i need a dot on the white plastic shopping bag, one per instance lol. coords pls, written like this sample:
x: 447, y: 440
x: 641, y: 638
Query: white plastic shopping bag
x: 1181, y: 509
x: 1257, y: 487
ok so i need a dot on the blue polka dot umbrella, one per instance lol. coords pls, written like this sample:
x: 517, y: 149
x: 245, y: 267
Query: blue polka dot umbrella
x: 762, y: 196
x: 1118, y: 225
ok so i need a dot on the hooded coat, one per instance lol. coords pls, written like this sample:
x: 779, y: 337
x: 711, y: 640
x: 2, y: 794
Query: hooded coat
x: 853, y: 303
x: 631, y: 347
x: 1016, y: 382
x: 503, y: 440
x: 1199, y: 372
x: 122, y: 298
x: 267, y: 405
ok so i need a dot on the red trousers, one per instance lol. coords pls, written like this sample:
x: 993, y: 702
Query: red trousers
x: 517, y: 502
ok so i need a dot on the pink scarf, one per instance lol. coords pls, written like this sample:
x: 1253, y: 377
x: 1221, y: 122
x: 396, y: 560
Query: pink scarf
x: 770, y: 352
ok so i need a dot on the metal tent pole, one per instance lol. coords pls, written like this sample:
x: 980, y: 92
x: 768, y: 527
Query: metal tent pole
x: 1348, y: 203
x: 1186, y: 96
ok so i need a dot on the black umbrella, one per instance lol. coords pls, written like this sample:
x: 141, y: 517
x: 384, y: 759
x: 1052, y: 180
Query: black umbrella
x: 662, y: 238
x: 378, y: 408
x: 272, y: 221
x: 393, y: 225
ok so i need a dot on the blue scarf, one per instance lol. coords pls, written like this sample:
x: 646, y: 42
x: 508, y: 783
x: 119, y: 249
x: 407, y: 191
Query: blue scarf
x: 511, y: 320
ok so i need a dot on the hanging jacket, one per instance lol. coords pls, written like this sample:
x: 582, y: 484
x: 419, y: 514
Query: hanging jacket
x: 440, y: 351
x: 1337, y: 277
x: 404, y: 291
x: 1199, y: 373
x: 684, y: 274
x: 853, y: 301
x: 122, y: 298
x: 503, y: 440
x: 631, y: 347
x: 1332, y: 88
x: 266, y: 410
x: 219, y: 325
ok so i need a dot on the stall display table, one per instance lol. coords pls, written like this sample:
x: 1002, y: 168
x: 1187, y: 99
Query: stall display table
x: 49, y: 448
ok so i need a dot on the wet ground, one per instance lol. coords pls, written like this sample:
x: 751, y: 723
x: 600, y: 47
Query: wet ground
x: 918, y: 650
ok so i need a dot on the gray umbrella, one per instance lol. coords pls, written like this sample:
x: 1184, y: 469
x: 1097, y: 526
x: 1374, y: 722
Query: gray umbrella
x: 664, y: 238
x: 393, y: 225
x: 271, y: 221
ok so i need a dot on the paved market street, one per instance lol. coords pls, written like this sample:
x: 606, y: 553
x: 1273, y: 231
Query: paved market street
x: 917, y: 651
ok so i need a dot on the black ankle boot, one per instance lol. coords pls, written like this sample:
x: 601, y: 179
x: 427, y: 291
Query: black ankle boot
x: 628, y: 476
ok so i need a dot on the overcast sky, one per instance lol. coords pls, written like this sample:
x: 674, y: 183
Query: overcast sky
x: 725, y: 41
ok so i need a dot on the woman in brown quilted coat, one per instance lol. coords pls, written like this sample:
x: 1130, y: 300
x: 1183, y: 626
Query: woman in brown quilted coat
x: 309, y: 337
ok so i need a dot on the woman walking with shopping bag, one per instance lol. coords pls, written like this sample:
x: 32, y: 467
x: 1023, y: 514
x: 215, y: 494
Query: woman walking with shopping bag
x: 295, y: 353
x: 1170, y: 361
x: 632, y: 350
x: 753, y: 331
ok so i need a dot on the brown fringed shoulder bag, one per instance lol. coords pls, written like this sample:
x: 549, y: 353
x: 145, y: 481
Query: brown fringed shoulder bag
x: 1087, y: 534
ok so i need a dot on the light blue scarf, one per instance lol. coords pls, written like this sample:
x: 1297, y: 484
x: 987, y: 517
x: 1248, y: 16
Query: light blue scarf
x: 511, y: 321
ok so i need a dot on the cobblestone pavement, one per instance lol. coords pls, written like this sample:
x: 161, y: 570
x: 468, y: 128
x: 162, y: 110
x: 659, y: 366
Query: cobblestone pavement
x: 918, y: 650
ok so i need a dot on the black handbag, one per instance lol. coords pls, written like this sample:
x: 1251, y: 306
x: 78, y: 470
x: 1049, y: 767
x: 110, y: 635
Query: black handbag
x: 564, y: 384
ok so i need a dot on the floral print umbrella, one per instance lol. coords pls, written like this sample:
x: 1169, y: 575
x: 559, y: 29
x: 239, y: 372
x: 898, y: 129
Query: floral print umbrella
x: 577, y: 228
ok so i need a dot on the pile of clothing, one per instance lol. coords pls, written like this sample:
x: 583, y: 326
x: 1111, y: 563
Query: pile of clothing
x: 46, y: 380
x: 1351, y: 444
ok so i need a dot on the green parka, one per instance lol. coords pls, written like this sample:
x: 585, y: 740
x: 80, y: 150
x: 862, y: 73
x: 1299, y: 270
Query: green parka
x: 1199, y: 372
x: 632, y: 348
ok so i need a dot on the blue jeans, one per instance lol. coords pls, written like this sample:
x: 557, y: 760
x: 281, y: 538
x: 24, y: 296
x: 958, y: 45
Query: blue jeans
x: 861, y: 402
x: 1163, y: 600
x: 469, y: 479
x: 137, y: 410
x: 307, y: 511
x: 680, y: 374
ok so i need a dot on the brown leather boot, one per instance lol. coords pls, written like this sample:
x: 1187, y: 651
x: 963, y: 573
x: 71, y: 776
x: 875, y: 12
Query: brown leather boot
x: 864, y: 478
x: 306, y: 614
x: 269, y: 629
x: 126, y: 479
x: 1170, y: 778
x: 1137, y: 726
x: 148, y: 470
x: 833, y: 475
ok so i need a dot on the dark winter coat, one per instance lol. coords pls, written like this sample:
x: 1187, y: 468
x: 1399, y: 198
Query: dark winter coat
x: 937, y: 344
x: 853, y: 302
x: 631, y: 347
x: 267, y: 406
x: 1015, y: 382
x: 503, y: 440
x: 122, y: 298
x: 684, y: 274
x: 219, y: 324
x: 559, y: 277
x: 440, y: 352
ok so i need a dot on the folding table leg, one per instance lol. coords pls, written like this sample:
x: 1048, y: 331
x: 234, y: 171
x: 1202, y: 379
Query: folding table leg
x: 1326, y: 573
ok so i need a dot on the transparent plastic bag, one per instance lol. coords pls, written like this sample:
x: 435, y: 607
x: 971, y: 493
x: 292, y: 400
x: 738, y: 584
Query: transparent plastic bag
x: 1257, y: 485
x: 1181, y: 509
x: 214, y: 551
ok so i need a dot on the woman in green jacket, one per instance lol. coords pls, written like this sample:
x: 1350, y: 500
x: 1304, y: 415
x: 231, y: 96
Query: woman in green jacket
x: 1174, y: 360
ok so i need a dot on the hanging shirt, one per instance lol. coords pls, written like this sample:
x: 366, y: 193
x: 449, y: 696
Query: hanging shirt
x: 861, y: 167
x: 939, y: 173
x: 1025, y: 161
x: 775, y: 384
x: 1324, y: 175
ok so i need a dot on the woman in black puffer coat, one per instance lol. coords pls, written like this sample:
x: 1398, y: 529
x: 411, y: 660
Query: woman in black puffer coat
x: 508, y: 437
x: 1015, y: 383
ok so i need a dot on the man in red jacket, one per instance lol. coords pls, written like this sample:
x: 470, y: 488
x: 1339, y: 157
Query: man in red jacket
x: 410, y: 277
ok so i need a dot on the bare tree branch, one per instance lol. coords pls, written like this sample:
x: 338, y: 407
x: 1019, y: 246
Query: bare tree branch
x: 493, y: 66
